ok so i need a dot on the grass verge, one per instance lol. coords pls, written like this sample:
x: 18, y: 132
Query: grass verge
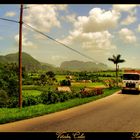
x: 15, y: 114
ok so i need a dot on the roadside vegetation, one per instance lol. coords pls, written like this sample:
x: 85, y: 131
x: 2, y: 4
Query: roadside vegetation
x: 47, y: 92
x: 14, y: 114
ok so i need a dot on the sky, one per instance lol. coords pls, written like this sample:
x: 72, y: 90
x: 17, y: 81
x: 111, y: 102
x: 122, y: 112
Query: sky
x: 96, y: 30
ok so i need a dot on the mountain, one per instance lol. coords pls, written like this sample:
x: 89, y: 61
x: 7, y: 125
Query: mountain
x: 82, y: 66
x: 31, y: 64
x: 28, y: 62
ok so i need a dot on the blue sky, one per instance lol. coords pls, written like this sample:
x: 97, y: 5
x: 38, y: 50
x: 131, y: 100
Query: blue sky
x: 97, y: 30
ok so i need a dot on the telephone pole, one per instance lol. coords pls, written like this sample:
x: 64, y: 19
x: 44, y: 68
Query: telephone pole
x: 20, y: 56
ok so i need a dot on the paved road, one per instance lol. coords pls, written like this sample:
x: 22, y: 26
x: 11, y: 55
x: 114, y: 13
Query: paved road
x: 118, y: 112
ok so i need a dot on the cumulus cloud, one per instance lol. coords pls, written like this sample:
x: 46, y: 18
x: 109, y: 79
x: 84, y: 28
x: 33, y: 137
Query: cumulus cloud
x: 124, y: 7
x: 57, y: 57
x: 129, y: 20
x: 44, y: 17
x: 97, y: 20
x: 1, y: 37
x: 98, y: 41
x: 70, y: 18
x: 25, y: 41
x: 91, y: 32
x: 91, y: 41
x: 127, y: 36
x: 10, y: 14
x: 138, y: 29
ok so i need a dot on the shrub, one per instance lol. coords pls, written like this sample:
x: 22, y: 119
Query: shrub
x: 98, y: 91
x: 88, y: 93
x: 65, y: 83
x: 47, y: 97
x: 3, y: 98
x: 31, y: 100
x: 110, y: 83
x: 13, y: 102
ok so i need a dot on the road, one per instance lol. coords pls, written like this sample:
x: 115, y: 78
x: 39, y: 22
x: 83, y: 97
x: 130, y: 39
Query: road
x: 118, y: 112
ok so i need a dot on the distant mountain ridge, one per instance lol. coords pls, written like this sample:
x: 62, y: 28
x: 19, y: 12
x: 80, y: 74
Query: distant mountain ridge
x: 28, y: 62
x: 76, y: 65
x: 31, y: 64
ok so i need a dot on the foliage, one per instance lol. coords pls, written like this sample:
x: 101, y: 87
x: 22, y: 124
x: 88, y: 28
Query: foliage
x: 116, y: 59
x: 91, y: 92
x: 47, y: 78
x: 14, y: 114
x: 3, y: 98
x: 110, y: 83
x: 13, y: 102
x: 65, y: 83
x: 9, y: 79
x: 31, y: 100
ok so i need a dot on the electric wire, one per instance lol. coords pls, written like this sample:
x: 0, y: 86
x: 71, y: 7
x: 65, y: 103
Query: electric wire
x: 51, y: 38
x: 58, y: 41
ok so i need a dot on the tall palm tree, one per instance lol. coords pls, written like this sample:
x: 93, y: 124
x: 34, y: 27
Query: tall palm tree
x: 116, y: 59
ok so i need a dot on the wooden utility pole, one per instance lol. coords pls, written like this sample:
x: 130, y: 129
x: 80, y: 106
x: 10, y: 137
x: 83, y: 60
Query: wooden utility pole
x: 20, y: 57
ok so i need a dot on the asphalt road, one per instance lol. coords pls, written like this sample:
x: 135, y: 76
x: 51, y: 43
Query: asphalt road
x: 118, y: 112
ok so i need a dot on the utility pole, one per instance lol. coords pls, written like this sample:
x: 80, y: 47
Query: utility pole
x: 20, y: 57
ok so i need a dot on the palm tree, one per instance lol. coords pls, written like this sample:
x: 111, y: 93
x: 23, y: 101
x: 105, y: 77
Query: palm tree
x: 116, y: 60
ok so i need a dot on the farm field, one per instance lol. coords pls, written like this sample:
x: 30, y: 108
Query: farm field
x: 31, y: 92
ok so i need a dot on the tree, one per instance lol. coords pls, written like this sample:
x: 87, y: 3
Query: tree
x: 116, y: 59
x: 43, y: 79
x: 9, y: 79
x: 47, y: 78
x: 50, y: 74
x: 51, y: 77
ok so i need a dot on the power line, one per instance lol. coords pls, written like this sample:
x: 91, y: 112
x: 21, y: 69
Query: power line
x: 9, y: 20
x: 58, y: 41
x: 34, y: 29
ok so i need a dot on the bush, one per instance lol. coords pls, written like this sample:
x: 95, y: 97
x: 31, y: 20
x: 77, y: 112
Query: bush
x: 88, y: 93
x: 3, y: 98
x: 13, y: 102
x: 65, y: 83
x: 55, y: 96
x: 110, y: 83
x: 31, y: 100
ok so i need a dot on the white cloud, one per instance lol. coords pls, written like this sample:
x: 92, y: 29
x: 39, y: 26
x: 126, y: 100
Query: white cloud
x: 10, y: 14
x: 127, y: 36
x: 57, y: 58
x: 25, y: 41
x: 124, y: 7
x: 91, y: 41
x: 138, y: 29
x: 70, y: 18
x: 97, y: 41
x: 1, y: 37
x: 91, y: 32
x: 129, y: 20
x: 43, y: 17
x: 98, y: 20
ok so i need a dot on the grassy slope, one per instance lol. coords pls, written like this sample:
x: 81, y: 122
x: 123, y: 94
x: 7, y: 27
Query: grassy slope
x: 14, y: 114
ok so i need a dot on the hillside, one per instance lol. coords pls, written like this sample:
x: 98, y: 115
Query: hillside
x: 31, y: 64
x: 82, y: 66
x: 28, y: 62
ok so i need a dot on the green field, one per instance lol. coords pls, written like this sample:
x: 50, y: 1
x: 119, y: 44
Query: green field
x: 60, y: 77
x: 39, y: 88
x: 94, y: 84
x: 31, y: 92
